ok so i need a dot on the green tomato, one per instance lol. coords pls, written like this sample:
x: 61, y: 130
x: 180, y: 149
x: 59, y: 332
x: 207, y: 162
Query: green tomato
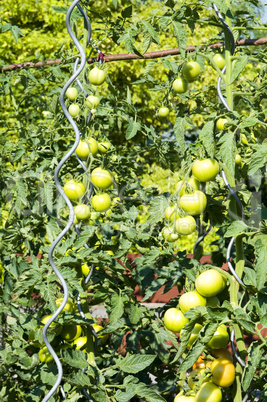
x: 209, y: 392
x: 168, y: 234
x: 72, y: 93
x: 238, y: 160
x: 45, y: 356
x: 71, y: 332
x: 191, y: 185
x: 53, y: 326
x: 74, y: 110
x: 68, y: 306
x: 190, y: 300
x: 101, y: 202
x: 164, y: 112
x: 185, y: 226
x: 193, y: 204
x: 219, y: 60
x: 103, y: 147
x: 174, y: 320
x: 180, y: 85
x: 74, y: 190
x: 170, y: 213
x: 220, y: 123
x: 194, y: 377
x: 82, y: 212
x: 97, y: 76
x: 223, y: 372
x: 205, y: 170
x: 191, y: 70
x: 92, y: 101
x: 80, y: 342
x: 210, y: 283
x: 220, y: 339
x: 2, y: 272
x: 101, y: 178
x: 98, y: 328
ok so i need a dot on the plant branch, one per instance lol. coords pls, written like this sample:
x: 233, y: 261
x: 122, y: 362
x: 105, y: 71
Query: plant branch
x: 132, y: 56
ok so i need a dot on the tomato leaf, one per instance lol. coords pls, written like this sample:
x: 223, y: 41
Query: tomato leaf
x: 207, y: 137
x: 227, y: 151
x: 132, y: 129
x: 258, y: 159
x: 181, y: 36
x: 260, y: 261
x: 117, y: 308
x: 179, y: 131
x: 148, y: 394
x: 255, y: 353
x: 238, y: 67
x: 135, y: 363
x: 235, y: 228
x: 75, y: 358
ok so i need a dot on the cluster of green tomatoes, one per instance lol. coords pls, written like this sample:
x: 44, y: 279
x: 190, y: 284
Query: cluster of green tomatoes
x: 66, y: 336
x: 191, y: 200
x: 213, y: 370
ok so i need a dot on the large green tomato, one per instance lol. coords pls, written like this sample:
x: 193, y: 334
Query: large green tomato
x: 164, y: 112
x: 205, y: 170
x: 193, y: 204
x: 72, y: 93
x: 80, y: 342
x: 209, y: 392
x: 102, y: 338
x: 183, y: 398
x: 68, y: 306
x: 97, y: 76
x: 210, y: 283
x: 223, y: 372
x: 92, y: 101
x: 85, y: 147
x: 220, y: 339
x: 180, y: 85
x: 185, y: 226
x: 174, y: 320
x: 74, y: 190
x: 191, y: 185
x: 190, y: 300
x: 74, y: 110
x: 101, y: 178
x: 219, y: 60
x: 191, y: 70
x: 53, y: 326
x: 101, y: 202
x: 104, y: 146
x: 220, y: 123
x: 71, y: 332
x: 45, y: 356
x: 82, y: 212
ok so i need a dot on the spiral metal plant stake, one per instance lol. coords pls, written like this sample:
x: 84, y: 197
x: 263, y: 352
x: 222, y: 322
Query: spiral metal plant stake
x: 68, y: 202
x: 228, y: 254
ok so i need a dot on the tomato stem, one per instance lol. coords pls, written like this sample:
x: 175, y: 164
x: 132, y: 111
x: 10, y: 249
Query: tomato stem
x: 228, y: 74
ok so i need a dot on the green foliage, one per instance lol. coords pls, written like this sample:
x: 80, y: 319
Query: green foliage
x: 147, y: 158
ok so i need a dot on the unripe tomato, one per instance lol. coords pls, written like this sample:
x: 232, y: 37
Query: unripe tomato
x: 101, y: 202
x: 219, y: 60
x: 103, y: 147
x: 185, y: 226
x: 210, y: 283
x: 72, y: 93
x: 190, y: 300
x: 74, y: 190
x: 191, y: 70
x: 223, y: 372
x: 102, y: 338
x: 170, y: 213
x: 82, y: 212
x: 164, y: 112
x: 220, y: 123
x: 193, y: 204
x: 45, y: 356
x: 222, y: 353
x: 205, y: 170
x: 101, y: 178
x: 80, y: 342
x: 194, y: 377
x: 183, y: 398
x: 169, y: 235
x: 97, y: 76
x: 85, y: 269
x: 71, y: 332
x: 209, y: 392
x: 54, y: 326
x: 74, y: 110
x: 220, y: 339
x: 191, y: 185
x: 180, y: 85
x: 68, y: 306
x: 2, y: 272
x: 174, y: 320
x: 200, y: 363
x: 92, y: 101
